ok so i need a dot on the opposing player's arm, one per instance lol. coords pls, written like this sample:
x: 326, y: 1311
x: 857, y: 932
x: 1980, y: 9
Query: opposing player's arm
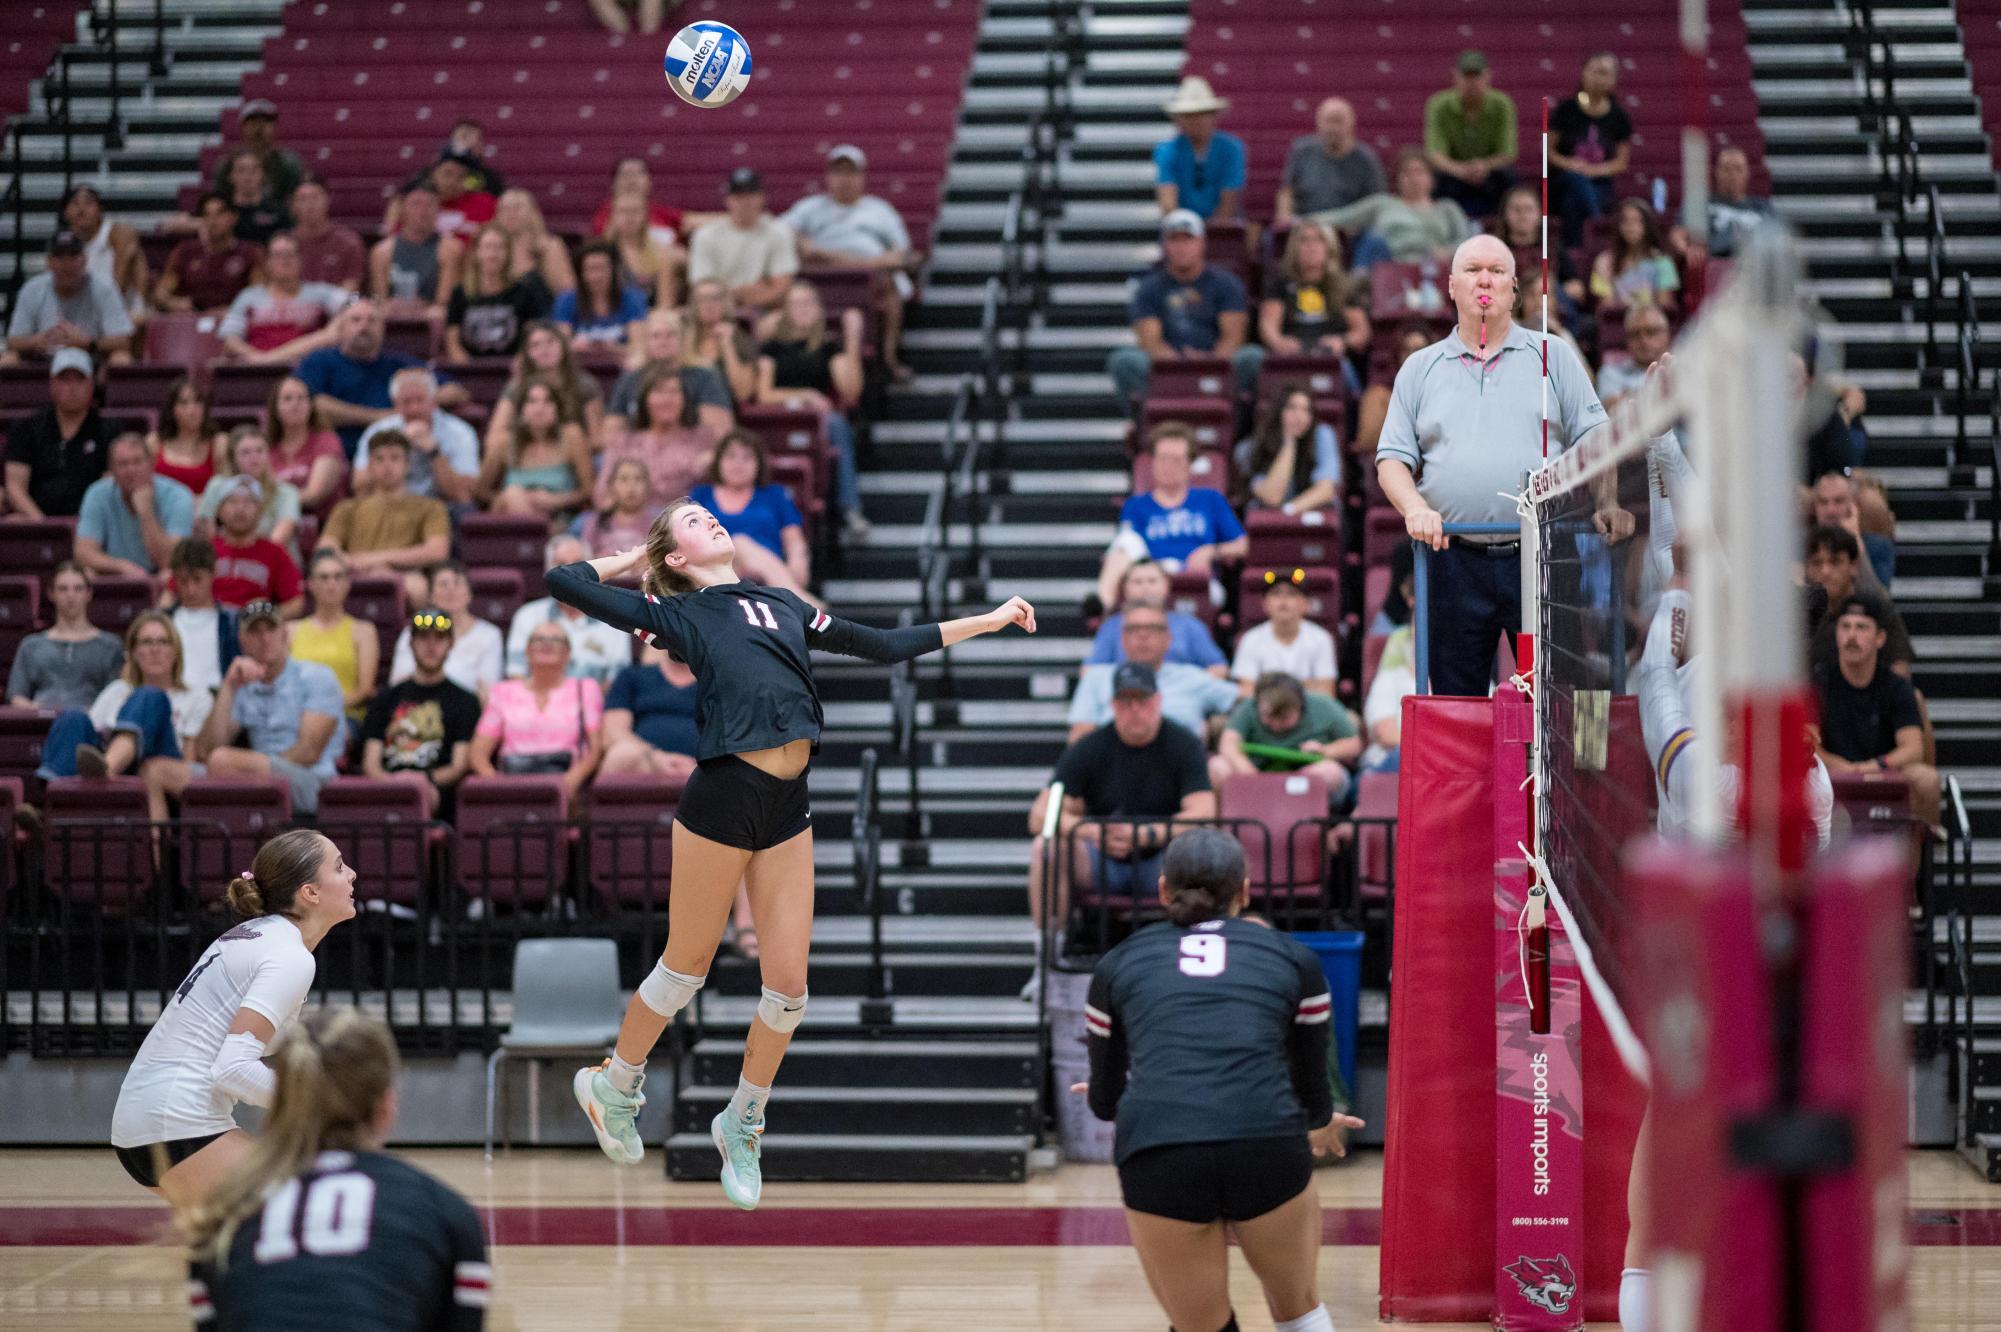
x: 580, y: 585
x: 472, y: 1276
x: 1105, y: 1039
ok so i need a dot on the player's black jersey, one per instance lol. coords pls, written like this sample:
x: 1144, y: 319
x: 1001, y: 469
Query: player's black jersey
x: 360, y: 1240
x: 750, y: 648
x: 1225, y: 1027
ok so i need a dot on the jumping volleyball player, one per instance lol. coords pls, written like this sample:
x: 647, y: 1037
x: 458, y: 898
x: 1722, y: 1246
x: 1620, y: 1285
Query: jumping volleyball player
x: 743, y: 816
x: 172, y: 1126
x: 1230, y: 1021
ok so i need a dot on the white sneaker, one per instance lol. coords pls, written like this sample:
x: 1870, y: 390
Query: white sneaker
x: 613, y: 1114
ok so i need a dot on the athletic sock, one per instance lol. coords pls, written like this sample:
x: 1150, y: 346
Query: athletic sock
x: 623, y: 1076
x: 1319, y: 1320
x: 747, y: 1106
x: 1635, y: 1313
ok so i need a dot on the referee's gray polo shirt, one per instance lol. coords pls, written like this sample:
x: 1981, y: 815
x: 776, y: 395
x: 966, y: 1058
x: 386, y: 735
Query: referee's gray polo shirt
x: 1469, y: 430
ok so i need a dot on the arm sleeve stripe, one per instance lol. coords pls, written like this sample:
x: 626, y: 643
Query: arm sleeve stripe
x: 1318, y: 1008
x: 820, y: 621
x: 471, y: 1284
x: 1091, y: 1012
x: 1672, y: 751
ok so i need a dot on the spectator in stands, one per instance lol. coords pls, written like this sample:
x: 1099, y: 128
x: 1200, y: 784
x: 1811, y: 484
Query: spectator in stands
x: 543, y: 468
x: 661, y: 345
x: 417, y: 264
x: 1144, y: 766
x: 1858, y: 504
x: 545, y: 353
x: 1519, y: 224
x: 349, y: 381
x: 1445, y: 421
x: 148, y: 711
x: 646, y: 262
x: 249, y: 567
x: 282, y: 318
x: 328, y: 252
x: 667, y: 436
x: 420, y: 730
x: 1409, y: 226
x: 1382, y: 710
x: 769, y: 531
x: 631, y: 175
x: 248, y: 453
x: 260, y: 215
x: 749, y: 251
x: 1185, y: 307
x: 612, y: 13
x: 54, y: 455
x: 1531, y: 307
x: 847, y: 227
x: 1188, y: 530
x: 1840, y: 441
x: 1733, y: 212
x: 66, y: 664
x: 1311, y: 307
x: 1287, y: 641
x: 1400, y: 597
x: 478, y: 652
x: 545, y: 723
x: 257, y: 122
x: 1189, y: 641
x: 627, y: 515
x: 488, y: 310
x: 596, y: 649
x: 1590, y: 146
x: 712, y: 338
x: 385, y: 526
x: 111, y: 250
x: 207, y: 631
x: 530, y: 246
x: 602, y: 308
x: 1870, y: 722
x: 1834, y: 560
x: 1469, y: 137
x: 649, y: 720
x: 801, y: 368
x: 1375, y: 406
x: 206, y: 270
x: 187, y: 441
x: 1329, y: 168
x: 288, y: 713
x: 1189, y: 694
x: 1201, y: 168
x: 1637, y: 268
x: 1278, y: 711
x: 1294, y: 459
x: 464, y: 203
x: 305, y: 452
x: 444, y: 450
x: 467, y: 138
x: 345, y: 644
x: 1647, y: 335
x: 132, y: 516
x: 68, y: 306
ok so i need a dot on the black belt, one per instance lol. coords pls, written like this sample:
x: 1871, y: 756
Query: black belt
x: 1496, y: 549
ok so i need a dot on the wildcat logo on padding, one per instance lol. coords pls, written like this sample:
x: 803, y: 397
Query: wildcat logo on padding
x: 1547, y: 1283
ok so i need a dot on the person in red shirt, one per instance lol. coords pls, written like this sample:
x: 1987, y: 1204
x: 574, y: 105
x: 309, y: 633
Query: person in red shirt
x: 328, y: 252
x: 632, y: 176
x: 206, y: 270
x: 461, y: 211
x: 249, y: 567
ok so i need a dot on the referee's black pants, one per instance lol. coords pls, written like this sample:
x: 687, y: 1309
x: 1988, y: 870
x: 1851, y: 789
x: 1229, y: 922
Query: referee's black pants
x: 1476, y: 596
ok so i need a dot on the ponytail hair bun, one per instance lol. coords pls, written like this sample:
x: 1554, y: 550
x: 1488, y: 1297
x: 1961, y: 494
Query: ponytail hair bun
x: 1204, y: 870
x: 284, y: 865
x: 245, y: 899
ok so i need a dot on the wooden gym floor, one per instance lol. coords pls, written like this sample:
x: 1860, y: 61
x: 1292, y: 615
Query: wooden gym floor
x: 580, y: 1244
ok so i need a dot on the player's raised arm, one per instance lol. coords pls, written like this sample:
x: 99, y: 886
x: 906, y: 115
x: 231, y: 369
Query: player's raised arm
x: 585, y: 585
x: 830, y: 633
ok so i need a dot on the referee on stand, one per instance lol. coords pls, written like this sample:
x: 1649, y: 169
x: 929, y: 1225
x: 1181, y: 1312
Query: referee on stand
x: 1465, y: 421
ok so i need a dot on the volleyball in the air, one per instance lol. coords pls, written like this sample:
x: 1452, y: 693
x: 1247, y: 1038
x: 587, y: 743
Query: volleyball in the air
x: 708, y: 64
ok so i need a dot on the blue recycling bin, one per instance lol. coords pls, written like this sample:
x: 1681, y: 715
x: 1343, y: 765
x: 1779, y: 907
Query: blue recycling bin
x: 1340, y: 954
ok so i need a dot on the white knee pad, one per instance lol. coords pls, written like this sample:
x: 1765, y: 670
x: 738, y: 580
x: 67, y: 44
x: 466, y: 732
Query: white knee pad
x: 781, y: 1012
x: 668, y: 992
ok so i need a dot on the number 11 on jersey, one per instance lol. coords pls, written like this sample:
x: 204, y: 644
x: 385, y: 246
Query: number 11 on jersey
x: 751, y: 610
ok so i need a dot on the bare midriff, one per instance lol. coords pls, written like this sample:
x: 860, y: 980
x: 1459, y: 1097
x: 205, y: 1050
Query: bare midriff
x: 784, y: 762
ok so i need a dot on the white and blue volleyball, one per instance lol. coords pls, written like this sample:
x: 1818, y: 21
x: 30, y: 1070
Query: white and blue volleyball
x: 708, y: 64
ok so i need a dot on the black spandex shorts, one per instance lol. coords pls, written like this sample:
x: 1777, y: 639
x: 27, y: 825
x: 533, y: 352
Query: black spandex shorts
x: 1199, y: 1182
x: 741, y: 805
x: 138, y: 1161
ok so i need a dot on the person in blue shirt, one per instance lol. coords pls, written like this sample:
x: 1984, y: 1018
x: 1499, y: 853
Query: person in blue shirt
x: 1189, y: 641
x: 132, y: 516
x: 769, y: 530
x: 600, y: 310
x: 649, y: 720
x: 1185, y: 307
x: 1184, y: 530
x: 1201, y: 168
x: 349, y: 381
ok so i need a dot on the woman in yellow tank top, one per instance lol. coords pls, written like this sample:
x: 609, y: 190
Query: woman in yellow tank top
x: 330, y: 636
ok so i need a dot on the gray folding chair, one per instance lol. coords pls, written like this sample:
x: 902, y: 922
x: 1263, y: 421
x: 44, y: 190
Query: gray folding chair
x: 566, y: 1002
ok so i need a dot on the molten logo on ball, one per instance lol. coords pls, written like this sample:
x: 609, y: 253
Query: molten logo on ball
x: 708, y: 64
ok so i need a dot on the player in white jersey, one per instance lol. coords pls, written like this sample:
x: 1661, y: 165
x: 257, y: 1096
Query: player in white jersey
x: 173, y: 1129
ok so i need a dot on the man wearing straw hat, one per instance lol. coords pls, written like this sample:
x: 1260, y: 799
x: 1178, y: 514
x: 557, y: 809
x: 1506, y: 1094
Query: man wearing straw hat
x: 1200, y: 168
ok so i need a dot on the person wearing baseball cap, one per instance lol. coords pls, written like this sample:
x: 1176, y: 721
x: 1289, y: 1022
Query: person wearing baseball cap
x: 257, y: 123
x: 1201, y: 168
x: 1186, y: 306
x: 250, y: 568
x: 1139, y: 770
x: 55, y: 455
x: 748, y: 250
x: 464, y: 204
x: 67, y: 305
x: 1469, y: 137
x: 850, y: 228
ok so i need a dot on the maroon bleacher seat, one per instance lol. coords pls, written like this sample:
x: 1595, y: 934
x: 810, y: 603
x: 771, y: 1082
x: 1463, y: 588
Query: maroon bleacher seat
x: 1289, y: 861
x: 496, y: 594
x: 793, y: 433
x: 1375, y: 590
x: 117, y: 599
x: 1375, y: 816
x: 378, y: 598
x: 1309, y: 538
x: 1191, y: 377
x: 501, y: 541
x: 1189, y: 594
x: 385, y: 828
x: 1322, y: 586
x: 98, y: 842
x: 235, y: 385
x: 483, y: 378
x: 1212, y: 419
x: 223, y: 822
x: 629, y: 842
x: 25, y: 386
x: 513, y: 839
x: 1372, y: 657
x: 1322, y: 376
x: 1875, y: 802
x: 795, y: 473
x: 141, y: 385
x: 34, y: 546
x: 22, y: 731
x: 20, y: 611
x: 414, y: 335
x: 183, y: 339
x: 1382, y: 529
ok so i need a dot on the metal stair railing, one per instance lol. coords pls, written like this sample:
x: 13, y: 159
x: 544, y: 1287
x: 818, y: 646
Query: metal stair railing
x: 1991, y: 583
x: 877, y: 1012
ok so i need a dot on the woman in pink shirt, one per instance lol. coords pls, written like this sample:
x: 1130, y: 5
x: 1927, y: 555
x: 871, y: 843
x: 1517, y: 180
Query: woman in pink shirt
x: 666, y: 437
x: 305, y: 452
x: 547, y: 723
